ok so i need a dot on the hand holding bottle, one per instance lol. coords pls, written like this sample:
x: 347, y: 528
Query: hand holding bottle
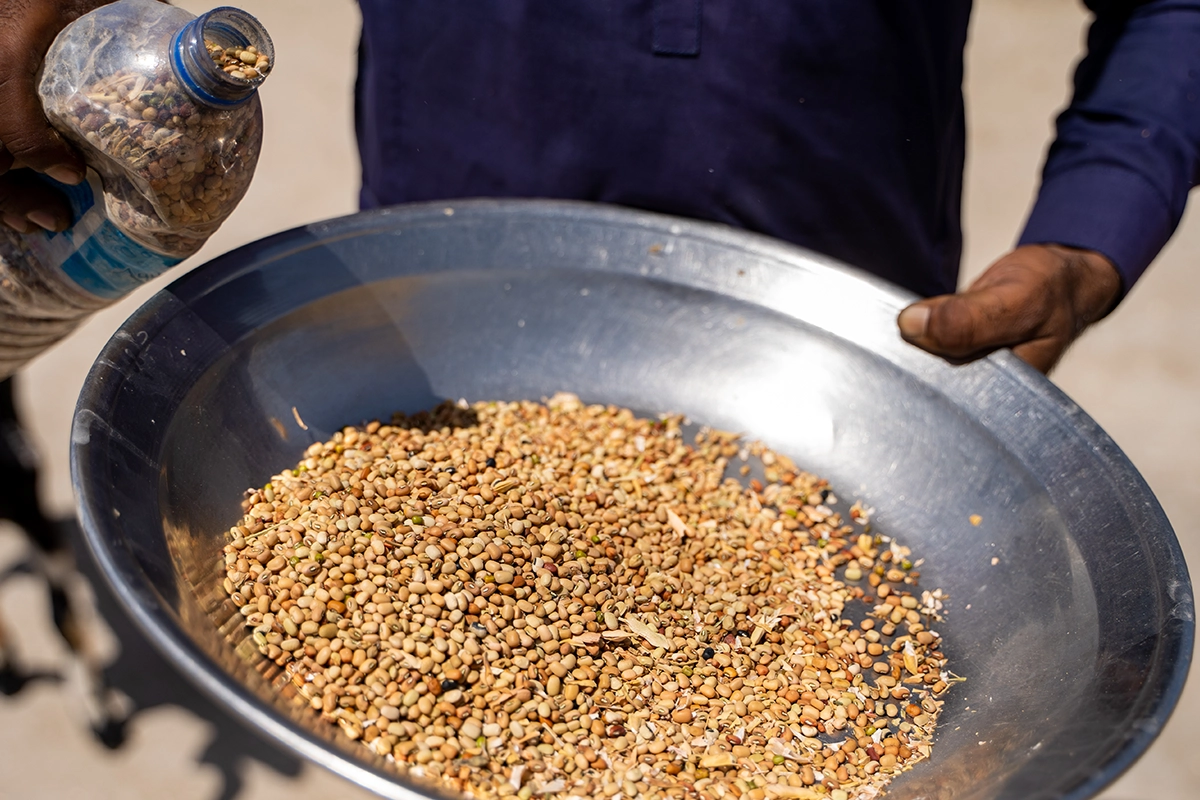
x: 163, y: 108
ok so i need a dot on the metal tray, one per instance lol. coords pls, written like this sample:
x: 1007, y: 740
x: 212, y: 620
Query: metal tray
x: 1071, y: 612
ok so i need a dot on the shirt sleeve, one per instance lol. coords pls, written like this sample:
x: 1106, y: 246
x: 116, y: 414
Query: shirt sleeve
x: 1127, y: 151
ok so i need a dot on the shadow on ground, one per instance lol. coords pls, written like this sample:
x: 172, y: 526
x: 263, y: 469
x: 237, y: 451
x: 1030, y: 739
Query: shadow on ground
x: 139, y: 679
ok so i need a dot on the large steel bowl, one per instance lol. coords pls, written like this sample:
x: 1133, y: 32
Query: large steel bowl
x: 1071, y: 612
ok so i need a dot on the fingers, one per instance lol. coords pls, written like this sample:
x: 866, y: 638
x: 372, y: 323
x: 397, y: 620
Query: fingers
x: 1042, y: 354
x: 25, y: 133
x: 1005, y: 311
x: 1036, y: 300
x: 26, y: 137
x: 27, y: 203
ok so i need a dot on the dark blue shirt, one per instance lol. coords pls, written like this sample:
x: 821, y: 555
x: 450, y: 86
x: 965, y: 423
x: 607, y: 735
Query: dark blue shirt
x: 834, y: 124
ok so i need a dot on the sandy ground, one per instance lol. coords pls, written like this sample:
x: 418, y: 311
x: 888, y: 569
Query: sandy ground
x: 1136, y: 374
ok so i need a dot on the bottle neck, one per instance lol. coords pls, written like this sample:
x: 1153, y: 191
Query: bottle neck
x: 195, y: 68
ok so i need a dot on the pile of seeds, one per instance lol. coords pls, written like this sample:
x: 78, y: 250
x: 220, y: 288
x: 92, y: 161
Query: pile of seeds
x: 175, y: 168
x: 243, y: 63
x: 564, y: 600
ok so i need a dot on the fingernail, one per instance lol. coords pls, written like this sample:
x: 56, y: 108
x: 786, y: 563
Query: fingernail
x: 43, y: 220
x: 16, y: 223
x: 913, y: 321
x: 65, y: 175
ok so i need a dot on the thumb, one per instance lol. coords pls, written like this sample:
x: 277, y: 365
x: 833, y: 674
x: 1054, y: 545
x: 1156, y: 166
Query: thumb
x: 1036, y: 300
x: 1012, y: 308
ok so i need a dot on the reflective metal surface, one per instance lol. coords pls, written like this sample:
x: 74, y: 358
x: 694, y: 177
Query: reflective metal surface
x: 1071, y: 612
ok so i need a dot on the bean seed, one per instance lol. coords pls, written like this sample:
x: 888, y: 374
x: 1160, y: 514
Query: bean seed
x: 681, y: 715
x: 577, y: 614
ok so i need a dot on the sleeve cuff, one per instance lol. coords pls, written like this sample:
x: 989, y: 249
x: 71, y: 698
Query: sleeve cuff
x: 1108, y: 209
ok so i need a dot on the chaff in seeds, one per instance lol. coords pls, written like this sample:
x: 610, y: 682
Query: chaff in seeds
x: 567, y: 600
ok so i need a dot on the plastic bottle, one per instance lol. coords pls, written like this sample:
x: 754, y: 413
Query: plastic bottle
x: 164, y: 108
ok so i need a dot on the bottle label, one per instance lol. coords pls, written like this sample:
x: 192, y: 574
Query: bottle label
x: 93, y: 252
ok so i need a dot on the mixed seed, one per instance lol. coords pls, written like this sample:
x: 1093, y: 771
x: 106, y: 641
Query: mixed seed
x: 244, y: 63
x: 565, y: 600
x: 175, y: 168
